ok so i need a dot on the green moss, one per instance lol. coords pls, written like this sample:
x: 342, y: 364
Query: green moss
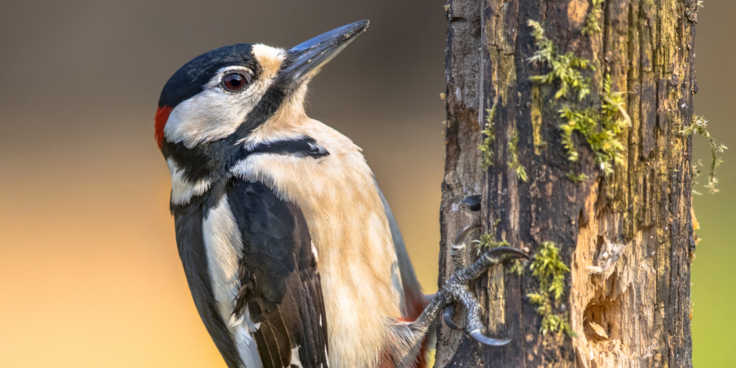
x: 565, y: 68
x: 536, y: 115
x: 517, y: 267
x: 716, y: 149
x: 550, y: 271
x: 489, y: 134
x: 513, y: 152
x: 699, y: 126
x: 488, y: 241
x: 600, y: 129
x: 592, y: 21
x: 489, y: 137
x: 576, y: 178
x: 695, y: 173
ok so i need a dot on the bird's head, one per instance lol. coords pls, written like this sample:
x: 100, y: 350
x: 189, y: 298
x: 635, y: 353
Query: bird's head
x: 224, y: 94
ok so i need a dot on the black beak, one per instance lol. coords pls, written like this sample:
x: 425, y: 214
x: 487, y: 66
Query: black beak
x: 306, y: 58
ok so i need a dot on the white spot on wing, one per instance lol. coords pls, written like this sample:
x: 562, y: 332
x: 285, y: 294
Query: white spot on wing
x: 314, y: 252
x: 295, y: 357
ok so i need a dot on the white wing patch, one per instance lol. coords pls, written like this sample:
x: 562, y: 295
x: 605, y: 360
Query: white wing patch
x: 224, y: 248
x: 295, y: 358
x: 247, y: 348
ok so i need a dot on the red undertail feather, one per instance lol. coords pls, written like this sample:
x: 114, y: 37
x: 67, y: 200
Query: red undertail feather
x: 162, y: 116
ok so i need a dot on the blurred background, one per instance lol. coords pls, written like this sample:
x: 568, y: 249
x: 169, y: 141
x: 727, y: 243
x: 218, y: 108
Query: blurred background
x: 89, y: 272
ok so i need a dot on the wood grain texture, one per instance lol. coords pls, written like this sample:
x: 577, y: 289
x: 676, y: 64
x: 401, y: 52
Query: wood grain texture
x: 642, y: 301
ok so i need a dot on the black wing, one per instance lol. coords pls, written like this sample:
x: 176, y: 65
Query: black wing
x: 193, y: 253
x: 280, y: 284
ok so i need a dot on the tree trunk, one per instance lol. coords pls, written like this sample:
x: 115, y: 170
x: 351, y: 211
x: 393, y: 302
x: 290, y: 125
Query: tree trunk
x: 627, y: 237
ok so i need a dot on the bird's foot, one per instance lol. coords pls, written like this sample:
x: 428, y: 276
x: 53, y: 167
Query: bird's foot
x: 456, y: 287
x: 455, y: 291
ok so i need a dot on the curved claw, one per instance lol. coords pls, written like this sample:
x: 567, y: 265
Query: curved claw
x: 485, y: 340
x: 450, y: 323
x: 467, y: 230
x: 507, y: 251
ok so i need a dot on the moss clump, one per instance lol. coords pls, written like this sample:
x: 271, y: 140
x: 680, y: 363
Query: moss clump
x: 576, y: 178
x: 699, y: 126
x: 592, y: 21
x: 695, y: 173
x: 517, y: 267
x: 489, y: 137
x: 600, y: 129
x: 565, y: 68
x: 550, y: 271
x: 488, y: 241
x: 489, y: 134
x: 513, y: 152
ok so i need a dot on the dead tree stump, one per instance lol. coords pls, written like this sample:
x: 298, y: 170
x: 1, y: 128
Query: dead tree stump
x: 626, y: 236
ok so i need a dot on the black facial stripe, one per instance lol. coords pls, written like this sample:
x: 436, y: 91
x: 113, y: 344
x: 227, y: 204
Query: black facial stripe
x: 206, y: 161
x: 303, y: 147
x: 264, y: 110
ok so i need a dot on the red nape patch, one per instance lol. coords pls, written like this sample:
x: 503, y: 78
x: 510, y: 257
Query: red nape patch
x: 162, y: 116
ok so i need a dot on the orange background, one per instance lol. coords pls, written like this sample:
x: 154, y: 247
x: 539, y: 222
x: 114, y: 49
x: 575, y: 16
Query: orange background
x: 89, y: 272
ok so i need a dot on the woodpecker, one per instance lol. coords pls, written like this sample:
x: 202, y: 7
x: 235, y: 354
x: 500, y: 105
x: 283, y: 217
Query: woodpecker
x: 291, y: 253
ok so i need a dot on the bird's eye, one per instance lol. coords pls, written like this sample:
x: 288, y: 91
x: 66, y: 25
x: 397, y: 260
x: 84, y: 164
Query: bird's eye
x: 234, y: 81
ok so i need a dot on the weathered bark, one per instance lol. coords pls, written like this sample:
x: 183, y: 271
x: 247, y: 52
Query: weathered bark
x: 643, y: 302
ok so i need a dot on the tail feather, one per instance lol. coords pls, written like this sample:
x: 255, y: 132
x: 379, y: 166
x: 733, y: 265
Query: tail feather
x: 414, y: 300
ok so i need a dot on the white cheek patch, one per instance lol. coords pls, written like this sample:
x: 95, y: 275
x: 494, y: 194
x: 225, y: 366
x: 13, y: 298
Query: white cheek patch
x: 215, y: 113
x: 212, y: 114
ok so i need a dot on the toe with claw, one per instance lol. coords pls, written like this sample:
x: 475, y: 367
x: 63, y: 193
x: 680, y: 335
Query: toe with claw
x: 447, y: 315
x: 455, y: 291
x: 456, y: 288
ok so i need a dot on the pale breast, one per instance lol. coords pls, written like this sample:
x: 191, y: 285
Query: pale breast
x: 348, y: 225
